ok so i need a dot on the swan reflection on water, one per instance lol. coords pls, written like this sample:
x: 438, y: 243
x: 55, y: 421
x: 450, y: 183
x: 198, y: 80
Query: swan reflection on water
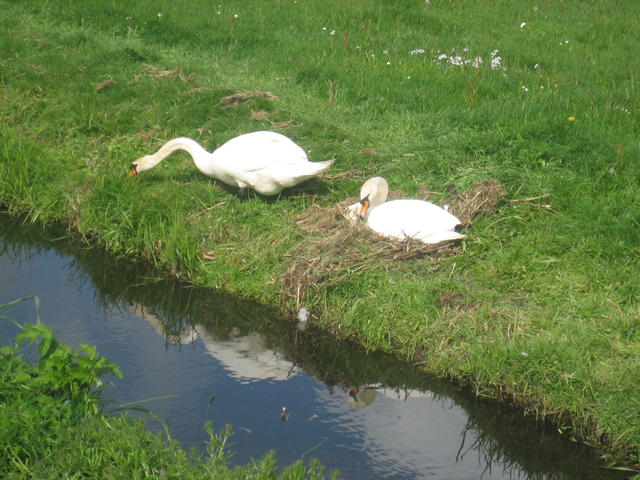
x: 245, y: 356
x: 360, y: 397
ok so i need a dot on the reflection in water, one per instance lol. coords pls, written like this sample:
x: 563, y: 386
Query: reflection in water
x: 360, y: 397
x: 246, y: 356
x: 280, y: 386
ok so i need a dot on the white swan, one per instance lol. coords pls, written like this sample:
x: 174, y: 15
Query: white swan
x: 403, y: 218
x: 264, y: 161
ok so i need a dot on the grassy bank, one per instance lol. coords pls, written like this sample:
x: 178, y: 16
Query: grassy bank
x: 540, y: 304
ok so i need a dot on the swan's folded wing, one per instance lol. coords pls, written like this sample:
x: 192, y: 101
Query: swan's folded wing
x: 259, y: 150
x: 413, y: 218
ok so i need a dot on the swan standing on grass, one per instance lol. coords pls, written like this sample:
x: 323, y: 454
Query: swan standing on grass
x: 403, y: 218
x: 265, y: 161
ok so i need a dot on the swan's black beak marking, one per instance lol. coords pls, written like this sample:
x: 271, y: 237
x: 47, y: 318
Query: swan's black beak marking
x: 365, y: 206
x: 133, y: 170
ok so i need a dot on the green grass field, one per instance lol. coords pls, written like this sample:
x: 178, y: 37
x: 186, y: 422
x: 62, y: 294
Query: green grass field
x: 539, y: 307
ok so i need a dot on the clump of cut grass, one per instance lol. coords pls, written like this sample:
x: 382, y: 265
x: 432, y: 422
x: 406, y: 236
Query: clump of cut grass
x: 335, y: 248
x: 481, y: 199
x: 242, y: 97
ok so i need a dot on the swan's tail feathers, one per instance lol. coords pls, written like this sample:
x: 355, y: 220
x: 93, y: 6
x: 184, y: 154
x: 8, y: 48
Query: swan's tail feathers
x: 322, y: 166
x: 443, y: 237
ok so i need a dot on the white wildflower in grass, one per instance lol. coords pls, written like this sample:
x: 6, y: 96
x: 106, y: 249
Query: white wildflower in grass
x: 462, y: 60
x: 622, y: 109
x: 525, y: 88
x: 324, y: 29
x: 333, y: 32
x: 537, y: 66
x: 523, y: 24
x: 385, y: 51
x: 235, y: 15
x: 496, y: 60
x: 417, y: 51
x: 159, y: 14
x: 388, y: 63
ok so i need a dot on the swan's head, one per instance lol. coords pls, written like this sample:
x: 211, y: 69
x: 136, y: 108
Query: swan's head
x: 133, y: 169
x: 140, y: 165
x: 373, y: 193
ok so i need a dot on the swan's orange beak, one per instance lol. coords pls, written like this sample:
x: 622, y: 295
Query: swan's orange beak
x: 133, y: 170
x: 365, y: 206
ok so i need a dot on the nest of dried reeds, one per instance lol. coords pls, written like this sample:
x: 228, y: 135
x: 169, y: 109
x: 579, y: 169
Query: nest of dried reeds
x: 335, y: 248
x: 482, y: 198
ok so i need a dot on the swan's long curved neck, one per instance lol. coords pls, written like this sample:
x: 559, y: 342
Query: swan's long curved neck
x: 193, y: 148
x: 378, y: 197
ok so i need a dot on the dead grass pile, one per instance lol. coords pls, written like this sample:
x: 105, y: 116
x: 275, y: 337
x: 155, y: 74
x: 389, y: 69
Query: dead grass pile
x: 480, y: 199
x: 335, y: 248
x: 242, y: 97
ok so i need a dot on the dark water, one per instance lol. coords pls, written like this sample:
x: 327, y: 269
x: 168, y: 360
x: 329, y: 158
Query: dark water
x: 207, y: 356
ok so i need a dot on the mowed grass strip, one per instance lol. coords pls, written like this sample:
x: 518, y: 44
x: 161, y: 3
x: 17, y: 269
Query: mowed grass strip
x: 538, y: 307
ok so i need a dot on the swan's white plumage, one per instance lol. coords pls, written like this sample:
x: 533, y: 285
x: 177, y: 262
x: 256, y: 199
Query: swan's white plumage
x: 403, y: 218
x: 265, y: 161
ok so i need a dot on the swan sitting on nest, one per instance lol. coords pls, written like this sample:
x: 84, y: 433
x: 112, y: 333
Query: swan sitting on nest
x: 405, y: 218
x: 265, y: 161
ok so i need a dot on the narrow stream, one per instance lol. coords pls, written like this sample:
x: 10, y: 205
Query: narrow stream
x: 196, y: 355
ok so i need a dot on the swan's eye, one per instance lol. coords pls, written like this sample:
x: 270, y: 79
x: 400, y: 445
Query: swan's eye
x: 365, y: 200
